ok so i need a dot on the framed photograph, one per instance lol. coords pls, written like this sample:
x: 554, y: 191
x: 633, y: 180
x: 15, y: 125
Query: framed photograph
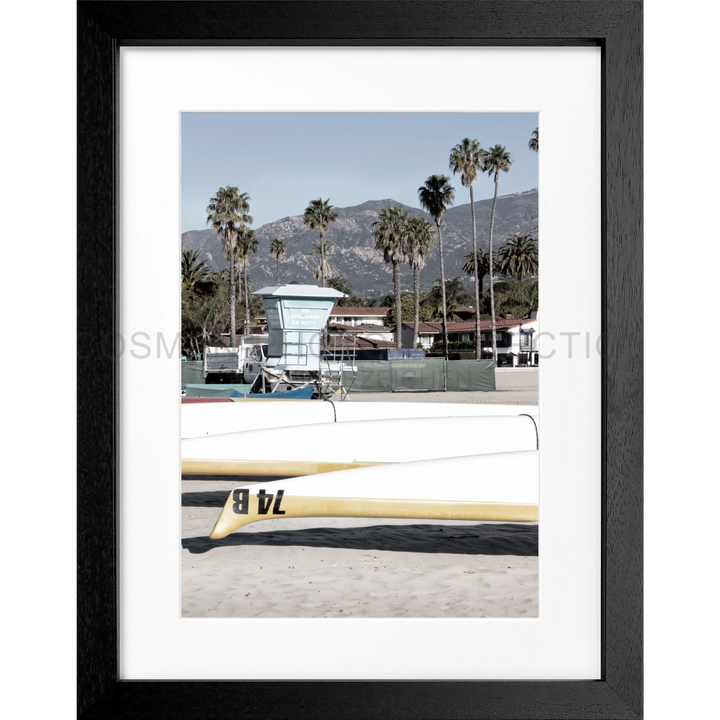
x: 107, y: 31
x: 433, y: 569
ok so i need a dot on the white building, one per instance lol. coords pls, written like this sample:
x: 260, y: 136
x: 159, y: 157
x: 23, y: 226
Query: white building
x: 358, y: 315
x: 515, y: 338
x: 366, y: 331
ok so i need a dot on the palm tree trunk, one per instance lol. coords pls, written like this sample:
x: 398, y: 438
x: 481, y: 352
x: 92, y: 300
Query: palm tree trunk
x: 322, y: 260
x: 246, y: 328
x: 481, y: 279
x: 444, y: 307
x: 490, y: 262
x: 398, y: 305
x: 478, y: 343
x: 278, y: 269
x: 326, y: 330
x: 233, y: 325
x: 241, y: 295
x: 416, y: 291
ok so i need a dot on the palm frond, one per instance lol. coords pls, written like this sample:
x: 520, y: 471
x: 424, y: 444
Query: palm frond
x: 466, y: 158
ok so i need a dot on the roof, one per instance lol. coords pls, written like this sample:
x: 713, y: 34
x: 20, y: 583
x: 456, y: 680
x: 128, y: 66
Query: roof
x: 374, y: 311
x: 340, y: 342
x: 370, y: 327
x: 305, y: 291
x: 469, y: 325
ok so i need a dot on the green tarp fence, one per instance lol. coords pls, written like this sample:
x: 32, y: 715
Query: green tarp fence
x: 401, y: 375
x: 191, y: 372
x: 410, y: 374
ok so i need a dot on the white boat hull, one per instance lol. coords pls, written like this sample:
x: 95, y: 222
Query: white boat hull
x: 199, y: 420
x: 328, y: 447
x: 497, y: 486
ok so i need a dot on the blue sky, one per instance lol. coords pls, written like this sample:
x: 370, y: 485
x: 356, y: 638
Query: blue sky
x: 284, y: 160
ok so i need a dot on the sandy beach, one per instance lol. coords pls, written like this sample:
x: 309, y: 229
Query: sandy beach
x: 338, y: 567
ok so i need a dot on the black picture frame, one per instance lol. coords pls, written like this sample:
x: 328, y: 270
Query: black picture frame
x: 613, y: 25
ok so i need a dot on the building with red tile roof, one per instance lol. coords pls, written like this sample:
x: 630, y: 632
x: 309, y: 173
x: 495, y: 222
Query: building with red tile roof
x: 514, y: 337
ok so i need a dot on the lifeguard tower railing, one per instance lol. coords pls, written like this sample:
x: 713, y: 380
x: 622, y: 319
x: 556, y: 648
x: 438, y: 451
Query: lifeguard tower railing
x: 339, y: 364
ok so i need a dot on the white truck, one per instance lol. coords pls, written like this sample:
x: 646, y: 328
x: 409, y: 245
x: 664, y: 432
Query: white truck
x: 254, y: 361
x: 226, y: 364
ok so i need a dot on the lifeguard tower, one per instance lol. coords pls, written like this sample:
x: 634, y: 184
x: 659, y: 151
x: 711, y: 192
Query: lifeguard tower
x: 296, y: 316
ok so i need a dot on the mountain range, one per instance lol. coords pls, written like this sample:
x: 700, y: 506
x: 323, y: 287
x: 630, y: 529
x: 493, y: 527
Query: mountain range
x: 354, y: 255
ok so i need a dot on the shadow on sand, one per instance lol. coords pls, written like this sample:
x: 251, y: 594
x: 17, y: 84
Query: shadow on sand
x: 213, y: 498
x: 483, y: 539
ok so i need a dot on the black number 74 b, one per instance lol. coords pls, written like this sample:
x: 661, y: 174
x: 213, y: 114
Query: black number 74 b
x: 241, y: 501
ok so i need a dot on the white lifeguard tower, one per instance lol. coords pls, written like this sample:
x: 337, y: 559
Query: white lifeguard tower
x: 296, y: 317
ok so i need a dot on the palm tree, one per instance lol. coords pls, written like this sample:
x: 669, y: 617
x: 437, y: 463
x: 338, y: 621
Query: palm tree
x: 247, y: 244
x: 534, y: 141
x: 518, y: 256
x: 219, y: 276
x: 496, y: 160
x: 227, y: 213
x: 455, y: 291
x: 193, y: 271
x: 435, y: 196
x: 433, y: 301
x: 322, y: 271
x: 466, y: 158
x: 481, y: 261
x: 341, y: 284
x: 318, y: 216
x: 419, y: 240
x: 390, y: 231
x: 278, y: 247
x: 518, y: 298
